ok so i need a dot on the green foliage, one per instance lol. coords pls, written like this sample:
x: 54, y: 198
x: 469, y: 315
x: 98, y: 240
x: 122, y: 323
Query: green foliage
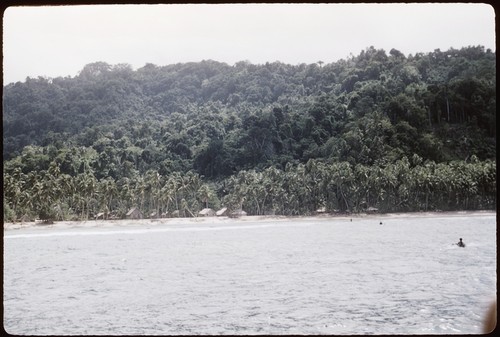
x: 272, y: 138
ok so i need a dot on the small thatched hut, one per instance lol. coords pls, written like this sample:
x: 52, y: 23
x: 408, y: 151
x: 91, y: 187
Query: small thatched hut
x: 238, y: 213
x: 206, y: 212
x: 321, y: 210
x: 134, y: 213
x: 221, y: 212
x: 24, y: 218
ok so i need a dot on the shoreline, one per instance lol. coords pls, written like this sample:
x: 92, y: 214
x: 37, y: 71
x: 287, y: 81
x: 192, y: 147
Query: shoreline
x: 249, y: 218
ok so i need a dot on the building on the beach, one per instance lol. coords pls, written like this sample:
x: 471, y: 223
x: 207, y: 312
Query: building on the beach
x: 24, y: 218
x: 238, y: 213
x: 222, y: 212
x: 134, y: 213
x: 321, y: 210
x: 206, y: 212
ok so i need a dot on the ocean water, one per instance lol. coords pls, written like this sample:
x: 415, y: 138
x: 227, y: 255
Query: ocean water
x: 333, y: 276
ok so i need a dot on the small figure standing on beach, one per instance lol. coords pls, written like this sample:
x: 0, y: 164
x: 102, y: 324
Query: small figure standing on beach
x: 460, y: 243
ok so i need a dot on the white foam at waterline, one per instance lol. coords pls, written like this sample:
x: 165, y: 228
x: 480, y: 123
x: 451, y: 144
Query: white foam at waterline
x: 148, y: 230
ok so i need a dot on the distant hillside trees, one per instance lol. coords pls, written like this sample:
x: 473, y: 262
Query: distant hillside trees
x: 378, y: 129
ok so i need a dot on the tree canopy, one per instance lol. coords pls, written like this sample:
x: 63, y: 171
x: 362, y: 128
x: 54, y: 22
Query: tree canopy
x: 387, y: 130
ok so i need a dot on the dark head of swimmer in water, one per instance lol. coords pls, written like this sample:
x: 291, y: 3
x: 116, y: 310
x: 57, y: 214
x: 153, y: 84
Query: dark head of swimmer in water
x: 460, y: 243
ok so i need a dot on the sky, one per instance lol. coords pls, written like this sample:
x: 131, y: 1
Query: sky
x: 55, y: 41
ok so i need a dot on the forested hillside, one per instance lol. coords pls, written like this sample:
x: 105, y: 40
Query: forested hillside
x: 396, y: 132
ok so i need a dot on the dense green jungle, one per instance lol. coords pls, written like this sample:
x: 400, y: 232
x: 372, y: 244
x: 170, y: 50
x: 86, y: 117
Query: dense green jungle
x: 382, y: 130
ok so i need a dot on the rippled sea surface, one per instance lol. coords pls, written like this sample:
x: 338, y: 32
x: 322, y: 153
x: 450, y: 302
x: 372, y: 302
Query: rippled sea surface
x: 267, y: 277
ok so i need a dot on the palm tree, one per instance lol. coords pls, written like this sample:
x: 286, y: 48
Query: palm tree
x: 66, y: 192
x: 153, y: 182
x: 240, y: 195
x: 55, y: 188
x: 107, y: 192
x: 86, y: 184
x: 205, y: 193
x: 12, y: 190
x: 174, y: 182
x: 185, y: 207
x: 273, y: 185
x: 140, y: 190
x: 125, y: 195
x: 340, y: 177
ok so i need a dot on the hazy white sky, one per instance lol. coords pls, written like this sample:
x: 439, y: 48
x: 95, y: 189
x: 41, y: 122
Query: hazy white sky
x: 59, y: 41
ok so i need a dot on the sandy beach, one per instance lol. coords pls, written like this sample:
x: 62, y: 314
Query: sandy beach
x: 222, y: 220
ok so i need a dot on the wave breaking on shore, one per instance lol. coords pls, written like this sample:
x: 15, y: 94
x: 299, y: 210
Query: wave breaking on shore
x: 227, y: 220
